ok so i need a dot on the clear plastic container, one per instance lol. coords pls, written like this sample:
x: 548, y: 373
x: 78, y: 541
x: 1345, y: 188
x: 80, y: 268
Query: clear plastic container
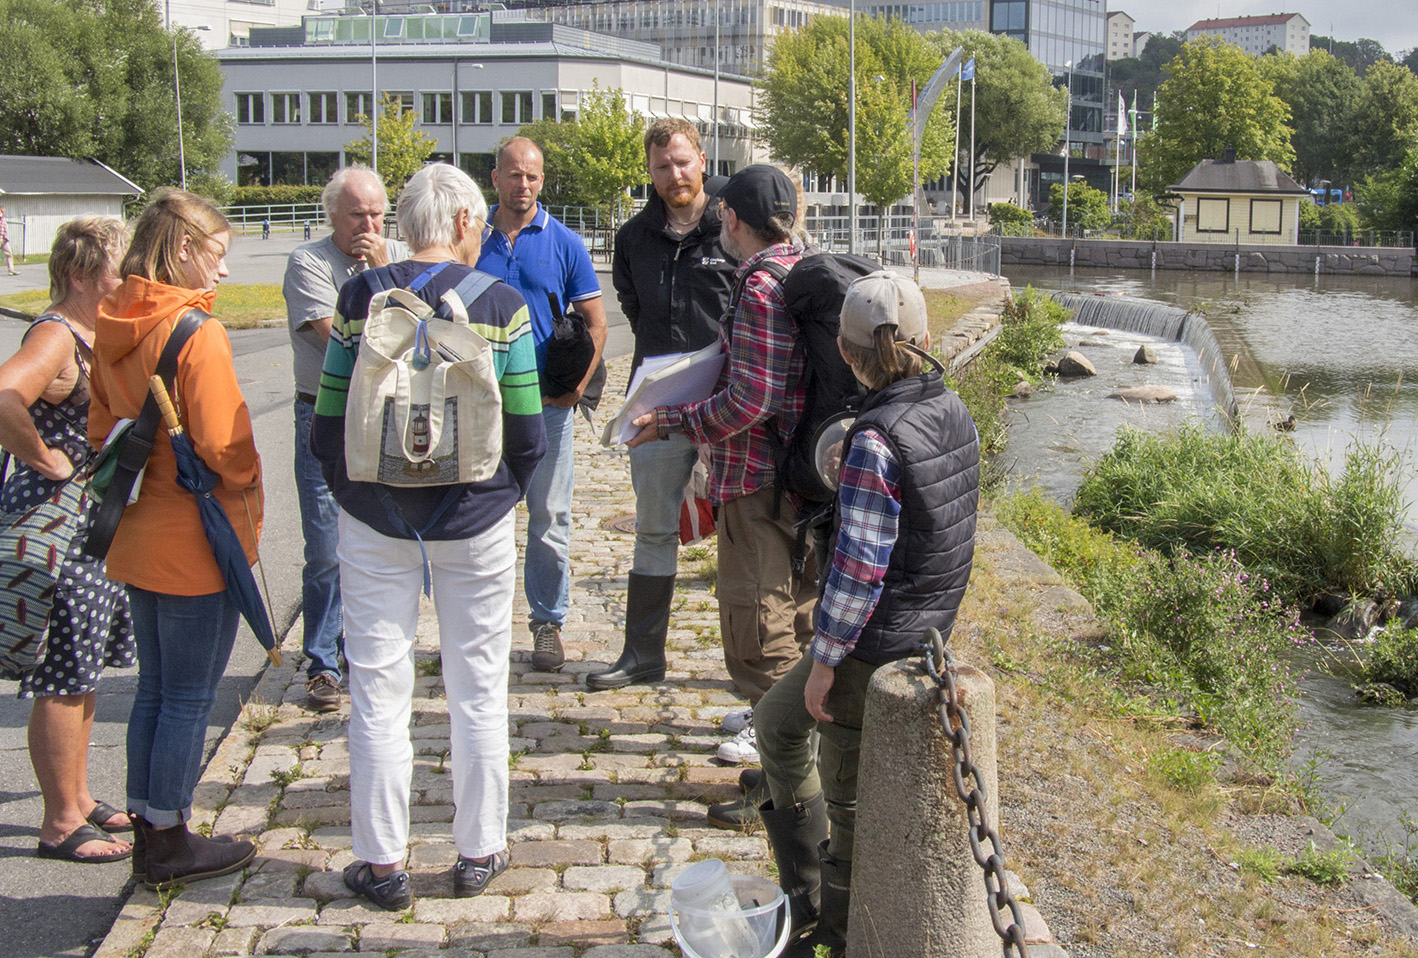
x: 717, y: 915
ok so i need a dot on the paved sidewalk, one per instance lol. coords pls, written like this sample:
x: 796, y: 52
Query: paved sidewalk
x: 608, y: 793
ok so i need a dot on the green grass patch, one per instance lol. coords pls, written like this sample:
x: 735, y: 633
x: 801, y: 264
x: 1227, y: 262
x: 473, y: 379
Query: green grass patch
x: 239, y: 305
x: 1183, y: 769
x: 1323, y: 868
x: 1264, y: 863
x: 1393, y: 659
x: 1287, y: 520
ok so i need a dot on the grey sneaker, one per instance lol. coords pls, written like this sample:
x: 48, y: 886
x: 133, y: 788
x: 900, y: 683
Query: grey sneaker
x: 547, y: 653
x: 390, y: 892
x: 471, y: 876
x: 322, y: 693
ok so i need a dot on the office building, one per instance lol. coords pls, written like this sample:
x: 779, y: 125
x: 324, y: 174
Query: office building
x: 1288, y: 32
x: 222, y: 23
x: 1120, y: 36
x: 472, y: 80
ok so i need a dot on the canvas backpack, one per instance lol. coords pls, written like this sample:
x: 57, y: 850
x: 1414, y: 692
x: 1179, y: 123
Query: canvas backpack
x: 813, y: 290
x: 424, y: 405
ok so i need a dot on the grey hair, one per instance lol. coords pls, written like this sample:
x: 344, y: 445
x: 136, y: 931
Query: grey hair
x: 330, y: 195
x: 431, y: 201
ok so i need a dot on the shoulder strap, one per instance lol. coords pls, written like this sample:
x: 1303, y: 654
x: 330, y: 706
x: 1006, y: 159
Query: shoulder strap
x: 422, y: 279
x: 770, y: 266
x: 138, y: 445
x: 469, y: 290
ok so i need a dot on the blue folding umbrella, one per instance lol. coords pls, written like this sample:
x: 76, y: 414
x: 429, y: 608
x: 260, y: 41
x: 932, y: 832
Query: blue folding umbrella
x: 194, y: 476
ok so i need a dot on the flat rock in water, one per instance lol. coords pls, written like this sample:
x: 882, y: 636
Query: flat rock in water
x: 1141, y: 394
x: 1073, y: 363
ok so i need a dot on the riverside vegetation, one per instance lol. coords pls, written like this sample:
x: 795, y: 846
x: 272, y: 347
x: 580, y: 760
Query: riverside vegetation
x: 1198, y: 552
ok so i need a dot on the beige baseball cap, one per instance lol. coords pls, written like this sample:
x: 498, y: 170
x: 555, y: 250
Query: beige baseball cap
x: 880, y: 299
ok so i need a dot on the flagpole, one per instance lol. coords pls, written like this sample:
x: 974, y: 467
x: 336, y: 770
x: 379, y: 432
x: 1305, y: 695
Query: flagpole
x: 1133, y: 189
x: 955, y: 157
x: 915, y: 189
x: 973, y: 83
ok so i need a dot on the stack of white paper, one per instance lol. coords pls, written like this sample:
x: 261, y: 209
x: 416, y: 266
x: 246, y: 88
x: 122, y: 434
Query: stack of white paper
x: 669, y: 380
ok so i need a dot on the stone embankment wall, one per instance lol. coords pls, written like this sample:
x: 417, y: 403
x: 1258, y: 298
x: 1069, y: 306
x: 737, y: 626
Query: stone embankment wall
x: 1128, y: 254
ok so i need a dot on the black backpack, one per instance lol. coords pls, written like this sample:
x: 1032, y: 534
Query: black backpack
x: 813, y: 290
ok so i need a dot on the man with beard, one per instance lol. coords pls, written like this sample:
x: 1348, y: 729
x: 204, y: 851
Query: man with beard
x: 673, y: 281
x: 536, y: 254
x: 765, y: 607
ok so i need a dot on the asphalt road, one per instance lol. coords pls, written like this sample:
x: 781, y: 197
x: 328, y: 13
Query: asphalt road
x: 62, y: 910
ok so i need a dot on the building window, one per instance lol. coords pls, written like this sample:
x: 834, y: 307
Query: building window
x: 285, y: 108
x: 437, y: 109
x: 549, y: 106
x: 322, y: 108
x: 1265, y: 216
x: 358, y: 105
x: 477, y: 106
x: 1213, y: 215
x: 404, y: 99
x: 516, y: 107
x: 250, y: 108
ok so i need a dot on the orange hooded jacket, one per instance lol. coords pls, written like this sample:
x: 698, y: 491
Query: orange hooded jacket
x: 160, y: 545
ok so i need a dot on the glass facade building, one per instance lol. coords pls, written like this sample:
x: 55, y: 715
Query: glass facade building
x: 1059, y: 33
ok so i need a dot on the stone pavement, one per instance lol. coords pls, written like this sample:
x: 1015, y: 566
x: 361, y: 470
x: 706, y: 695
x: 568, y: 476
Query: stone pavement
x: 608, y: 789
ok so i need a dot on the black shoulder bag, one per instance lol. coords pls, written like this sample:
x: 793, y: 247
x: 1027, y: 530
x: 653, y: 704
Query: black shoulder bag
x: 135, y: 447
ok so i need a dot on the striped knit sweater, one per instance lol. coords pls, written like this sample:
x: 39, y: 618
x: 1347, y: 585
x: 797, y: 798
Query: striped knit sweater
x: 500, y: 317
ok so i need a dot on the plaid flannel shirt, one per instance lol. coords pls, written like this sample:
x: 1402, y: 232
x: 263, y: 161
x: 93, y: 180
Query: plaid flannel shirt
x: 869, y: 504
x: 760, y: 395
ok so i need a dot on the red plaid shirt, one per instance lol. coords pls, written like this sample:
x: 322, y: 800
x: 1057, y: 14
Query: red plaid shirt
x: 760, y: 396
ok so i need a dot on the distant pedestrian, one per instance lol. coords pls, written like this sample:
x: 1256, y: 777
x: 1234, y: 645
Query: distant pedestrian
x: 307, y: 230
x: 5, y: 244
x: 354, y: 202
x: 266, y: 228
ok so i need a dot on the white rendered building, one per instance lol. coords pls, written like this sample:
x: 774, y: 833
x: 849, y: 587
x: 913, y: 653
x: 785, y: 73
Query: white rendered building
x: 221, y: 23
x: 1290, y: 32
x: 1120, y: 36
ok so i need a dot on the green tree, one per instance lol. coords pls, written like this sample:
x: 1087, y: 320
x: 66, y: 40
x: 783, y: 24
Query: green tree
x: 1410, y: 60
x: 1215, y: 99
x: 1359, y: 54
x: 1389, y: 201
x: 1018, y: 110
x: 96, y: 79
x: 1087, y: 207
x: 1321, y: 91
x: 403, y: 149
x: 1141, y: 76
x: 1384, y: 119
x: 803, y: 104
x: 594, y: 159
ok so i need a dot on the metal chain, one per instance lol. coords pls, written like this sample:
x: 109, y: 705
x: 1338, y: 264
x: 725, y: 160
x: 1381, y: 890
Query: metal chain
x: 956, y: 726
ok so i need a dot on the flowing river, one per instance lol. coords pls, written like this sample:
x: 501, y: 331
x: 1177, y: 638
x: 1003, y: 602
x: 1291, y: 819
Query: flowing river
x: 1334, y: 352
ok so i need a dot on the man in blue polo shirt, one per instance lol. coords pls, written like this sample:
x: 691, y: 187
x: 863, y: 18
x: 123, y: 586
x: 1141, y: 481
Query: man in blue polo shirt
x: 536, y: 254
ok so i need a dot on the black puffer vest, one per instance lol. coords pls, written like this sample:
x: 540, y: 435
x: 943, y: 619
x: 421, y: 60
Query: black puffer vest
x: 928, y: 428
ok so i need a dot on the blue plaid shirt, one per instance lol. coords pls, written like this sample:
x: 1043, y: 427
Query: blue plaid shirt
x: 869, y: 503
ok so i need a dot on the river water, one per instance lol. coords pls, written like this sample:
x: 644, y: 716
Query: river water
x: 1334, y: 352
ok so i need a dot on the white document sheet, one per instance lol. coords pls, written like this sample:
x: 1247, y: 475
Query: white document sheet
x: 669, y: 380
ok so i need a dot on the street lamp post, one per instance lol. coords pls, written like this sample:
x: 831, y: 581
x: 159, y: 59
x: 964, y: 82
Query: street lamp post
x: 1068, y: 141
x: 373, y: 90
x: 177, y: 96
x: 852, y: 127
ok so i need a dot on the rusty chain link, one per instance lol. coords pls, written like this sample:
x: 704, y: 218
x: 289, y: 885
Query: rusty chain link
x: 956, y: 726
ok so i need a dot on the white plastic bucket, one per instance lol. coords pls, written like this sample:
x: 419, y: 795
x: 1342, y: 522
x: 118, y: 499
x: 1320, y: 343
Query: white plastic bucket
x: 717, y: 915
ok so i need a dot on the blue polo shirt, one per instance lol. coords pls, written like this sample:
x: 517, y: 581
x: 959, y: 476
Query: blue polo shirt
x: 547, y: 257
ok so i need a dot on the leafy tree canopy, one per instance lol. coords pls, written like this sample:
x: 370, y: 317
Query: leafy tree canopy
x: 92, y: 78
x: 1410, y: 60
x: 803, y: 107
x: 1389, y: 200
x: 1142, y: 75
x: 1087, y: 207
x: 1385, y: 119
x: 1321, y: 91
x: 592, y: 160
x: 1359, y: 54
x: 1018, y: 110
x: 1215, y: 99
x: 403, y: 149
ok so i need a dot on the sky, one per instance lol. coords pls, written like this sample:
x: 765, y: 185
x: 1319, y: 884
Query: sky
x: 1394, y: 23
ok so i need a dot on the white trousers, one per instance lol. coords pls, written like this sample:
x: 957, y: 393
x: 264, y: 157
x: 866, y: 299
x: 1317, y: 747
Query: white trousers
x: 473, y: 583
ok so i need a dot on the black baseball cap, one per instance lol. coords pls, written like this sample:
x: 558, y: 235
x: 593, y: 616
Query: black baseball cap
x: 756, y: 192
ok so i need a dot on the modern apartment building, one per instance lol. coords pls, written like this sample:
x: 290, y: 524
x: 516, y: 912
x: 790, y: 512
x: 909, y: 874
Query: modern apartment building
x: 1289, y: 32
x: 472, y: 80
x: 1120, y: 35
x: 221, y: 23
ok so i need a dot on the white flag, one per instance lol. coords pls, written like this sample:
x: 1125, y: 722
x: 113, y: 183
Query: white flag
x: 1122, y: 116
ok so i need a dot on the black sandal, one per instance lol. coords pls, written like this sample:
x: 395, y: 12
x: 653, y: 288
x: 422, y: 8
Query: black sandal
x: 103, y: 813
x: 68, y: 849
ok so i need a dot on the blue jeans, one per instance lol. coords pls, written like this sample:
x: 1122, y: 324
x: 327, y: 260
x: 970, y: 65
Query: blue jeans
x: 659, y: 471
x: 184, y: 642
x: 320, y: 607
x: 546, y: 576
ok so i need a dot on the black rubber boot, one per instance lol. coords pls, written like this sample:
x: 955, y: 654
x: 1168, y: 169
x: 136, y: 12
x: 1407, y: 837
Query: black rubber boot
x: 836, y: 901
x: 741, y: 815
x: 140, y: 846
x: 176, y: 854
x: 794, y: 834
x: 647, y: 620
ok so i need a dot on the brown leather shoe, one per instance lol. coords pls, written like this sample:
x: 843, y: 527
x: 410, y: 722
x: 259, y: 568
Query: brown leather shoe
x: 176, y: 854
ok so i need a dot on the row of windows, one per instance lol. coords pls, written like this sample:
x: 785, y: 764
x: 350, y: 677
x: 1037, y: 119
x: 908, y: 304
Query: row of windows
x: 953, y: 12
x: 436, y: 108
x: 1213, y: 215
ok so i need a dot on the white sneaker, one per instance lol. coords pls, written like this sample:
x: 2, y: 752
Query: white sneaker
x: 736, y: 722
x: 742, y: 749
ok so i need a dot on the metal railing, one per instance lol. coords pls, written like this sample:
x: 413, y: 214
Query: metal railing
x: 282, y: 218
x: 1383, y: 239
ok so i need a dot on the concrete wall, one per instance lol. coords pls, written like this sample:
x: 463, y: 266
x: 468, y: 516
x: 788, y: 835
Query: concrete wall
x: 1121, y: 254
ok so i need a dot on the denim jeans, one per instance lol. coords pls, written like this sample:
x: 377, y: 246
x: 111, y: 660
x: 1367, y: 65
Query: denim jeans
x: 659, y: 471
x: 320, y: 608
x: 473, y: 583
x: 546, y: 576
x: 184, y: 642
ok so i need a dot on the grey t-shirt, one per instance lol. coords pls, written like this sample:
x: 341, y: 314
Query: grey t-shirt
x: 314, y: 275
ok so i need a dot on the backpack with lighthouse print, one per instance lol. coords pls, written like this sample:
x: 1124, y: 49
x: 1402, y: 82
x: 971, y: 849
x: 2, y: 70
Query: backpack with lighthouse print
x: 424, y: 407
